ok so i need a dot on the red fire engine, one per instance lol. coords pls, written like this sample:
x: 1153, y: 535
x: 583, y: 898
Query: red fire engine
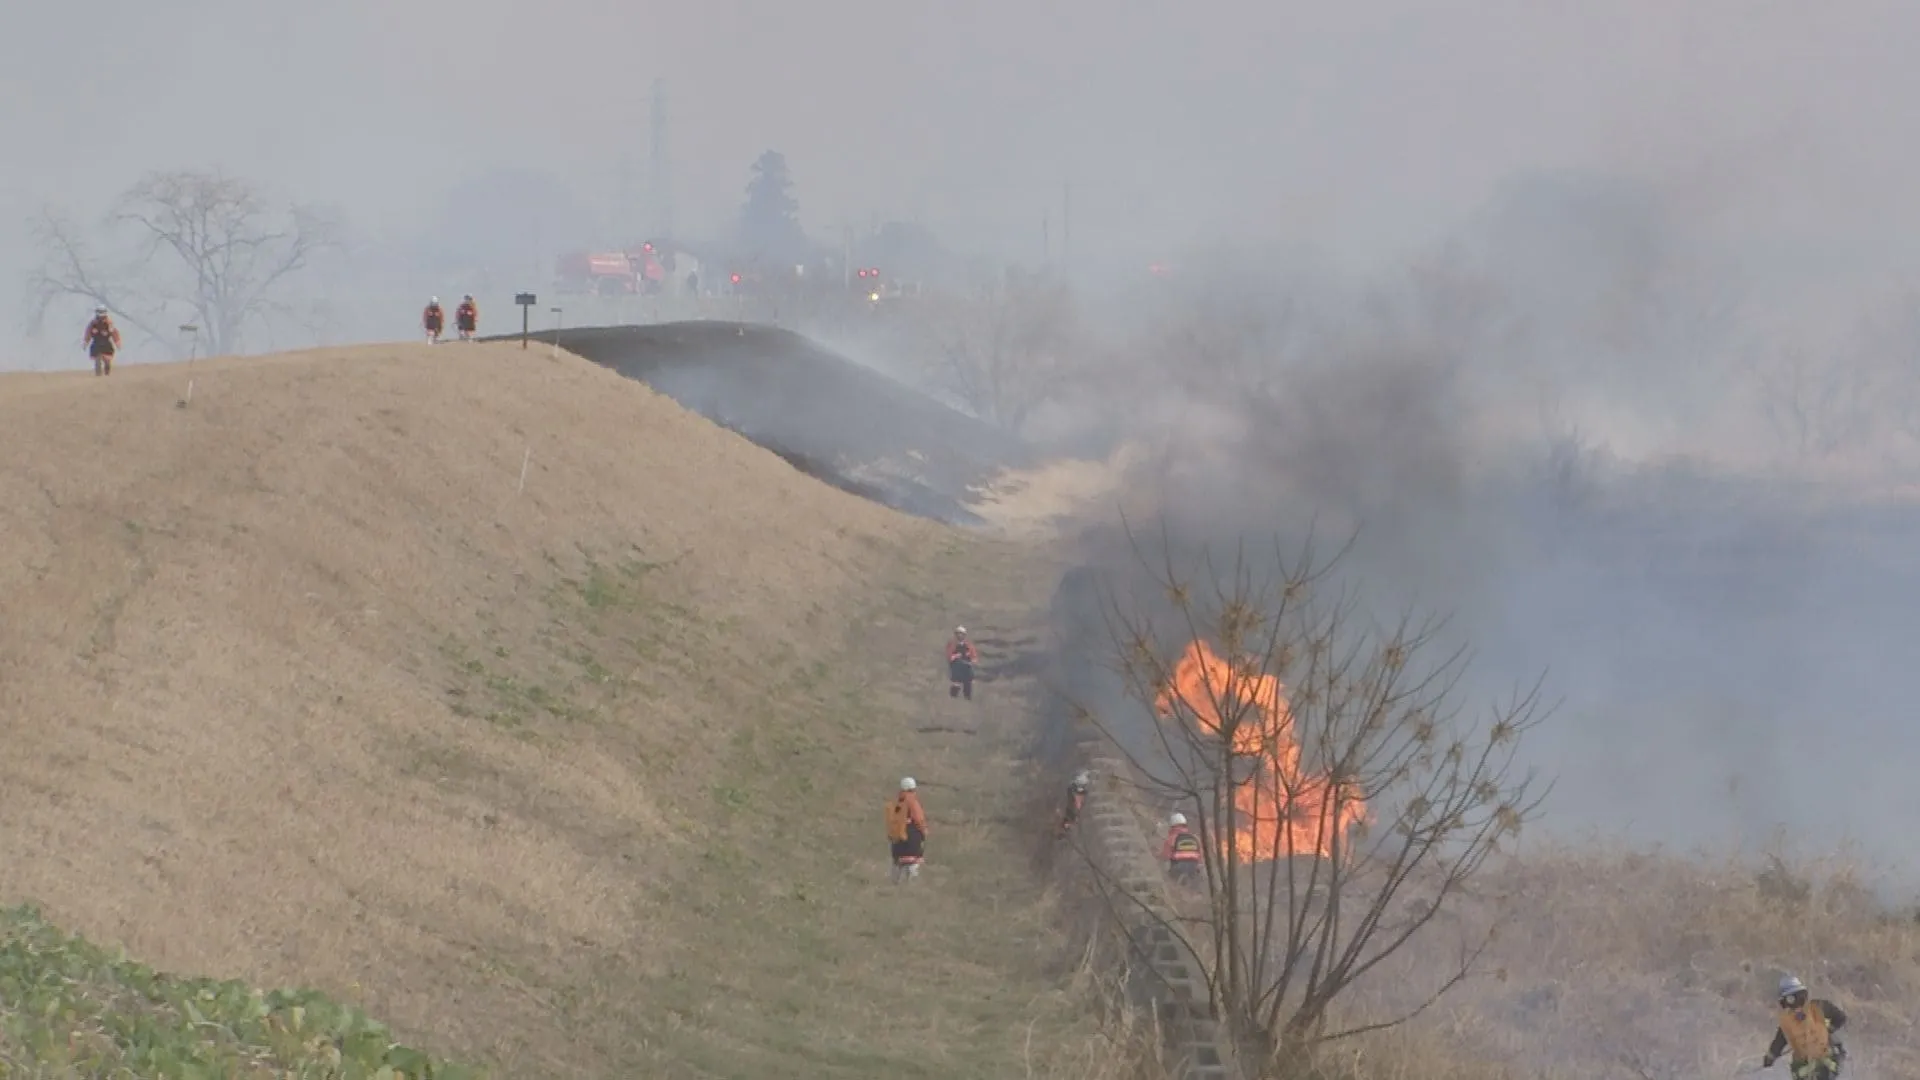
x: 610, y: 273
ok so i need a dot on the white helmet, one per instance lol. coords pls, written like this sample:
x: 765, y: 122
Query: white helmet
x: 433, y: 299
x: 907, y: 784
x: 1081, y: 779
x: 1176, y: 820
x: 100, y: 309
x: 960, y: 630
x: 1790, y: 985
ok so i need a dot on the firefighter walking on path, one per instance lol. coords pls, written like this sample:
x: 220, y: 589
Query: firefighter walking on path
x: 1181, y: 852
x: 1807, y: 1029
x: 906, y: 831
x: 1076, y: 799
x: 961, y: 656
x: 102, y: 340
x: 466, y: 317
x: 433, y: 320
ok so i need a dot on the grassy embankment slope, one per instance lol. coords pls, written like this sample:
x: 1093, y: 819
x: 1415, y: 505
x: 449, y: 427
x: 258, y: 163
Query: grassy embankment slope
x: 577, y: 780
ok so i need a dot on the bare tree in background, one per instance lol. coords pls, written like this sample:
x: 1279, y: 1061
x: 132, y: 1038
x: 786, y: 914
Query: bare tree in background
x: 1008, y: 348
x: 1882, y: 377
x: 1341, y: 799
x: 184, y: 247
x: 1816, y: 405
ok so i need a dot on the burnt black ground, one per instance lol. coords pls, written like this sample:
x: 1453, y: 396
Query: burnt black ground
x: 826, y: 415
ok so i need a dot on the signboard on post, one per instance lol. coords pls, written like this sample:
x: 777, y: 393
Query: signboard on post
x: 526, y: 300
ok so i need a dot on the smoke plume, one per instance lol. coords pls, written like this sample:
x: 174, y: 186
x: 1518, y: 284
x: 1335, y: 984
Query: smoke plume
x: 1560, y: 430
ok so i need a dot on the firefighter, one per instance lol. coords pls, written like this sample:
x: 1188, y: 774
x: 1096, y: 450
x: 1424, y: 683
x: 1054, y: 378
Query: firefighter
x: 906, y: 831
x: 1076, y: 798
x: 1181, y: 852
x: 102, y: 340
x: 1808, y: 1027
x: 466, y: 317
x: 961, y: 656
x: 433, y: 319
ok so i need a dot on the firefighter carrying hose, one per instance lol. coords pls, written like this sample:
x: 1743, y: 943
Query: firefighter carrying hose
x: 1807, y: 1028
x: 1076, y: 798
x: 906, y: 831
x: 961, y: 656
x: 1181, y: 852
x: 102, y: 340
x: 466, y: 318
x: 433, y: 320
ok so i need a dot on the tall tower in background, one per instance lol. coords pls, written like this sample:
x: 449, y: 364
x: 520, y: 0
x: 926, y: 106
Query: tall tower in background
x: 625, y: 194
x: 659, y: 165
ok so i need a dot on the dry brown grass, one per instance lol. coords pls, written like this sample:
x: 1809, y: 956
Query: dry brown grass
x: 1654, y: 966
x: 1034, y: 505
x: 1612, y: 963
x: 580, y: 780
x: 1622, y: 965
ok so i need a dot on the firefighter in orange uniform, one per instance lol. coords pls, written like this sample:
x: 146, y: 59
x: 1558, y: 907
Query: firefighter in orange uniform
x: 1181, y: 852
x: 1807, y: 1028
x: 433, y: 320
x: 102, y: 340
x: 906, y: 831
x: 961, y: 656
x: 466, y: 317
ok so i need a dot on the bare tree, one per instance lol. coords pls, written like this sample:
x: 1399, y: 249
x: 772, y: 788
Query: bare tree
x: 1816, y: 405
x: 183, y: 247
x: 1342, y: 800
x: 1007, y: 348
x: 1885, y: 372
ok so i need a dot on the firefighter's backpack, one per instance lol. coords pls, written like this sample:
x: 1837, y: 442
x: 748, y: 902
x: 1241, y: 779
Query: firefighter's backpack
x: 897, y: 818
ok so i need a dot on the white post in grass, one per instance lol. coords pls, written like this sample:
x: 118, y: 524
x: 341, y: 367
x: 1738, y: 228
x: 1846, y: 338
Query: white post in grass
x: 192, y: 334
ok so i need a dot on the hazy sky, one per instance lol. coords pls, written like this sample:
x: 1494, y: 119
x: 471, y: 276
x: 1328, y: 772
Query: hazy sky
x: 1360, y: 126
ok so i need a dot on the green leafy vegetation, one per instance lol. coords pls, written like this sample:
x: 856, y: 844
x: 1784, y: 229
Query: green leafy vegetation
x: 74, y: 1011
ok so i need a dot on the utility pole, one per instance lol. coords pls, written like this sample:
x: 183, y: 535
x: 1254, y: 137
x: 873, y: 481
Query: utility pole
x: 624, y: 191
x: 659, y: 164
x: 1066, y: 224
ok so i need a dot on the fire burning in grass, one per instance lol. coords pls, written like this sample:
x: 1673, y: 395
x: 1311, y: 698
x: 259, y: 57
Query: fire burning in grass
x: 1281, y: 810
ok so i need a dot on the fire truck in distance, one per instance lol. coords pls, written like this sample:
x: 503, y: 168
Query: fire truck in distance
x: 610, y: 273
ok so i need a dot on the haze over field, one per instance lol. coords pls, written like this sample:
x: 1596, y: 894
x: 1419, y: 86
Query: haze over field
x: 1669, y: 226
x: 1361, y: 130
x: 1600, y: 321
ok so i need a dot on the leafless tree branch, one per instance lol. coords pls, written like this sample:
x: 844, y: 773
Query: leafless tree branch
x: 1815, y: 404
x: 1006, y: 349
x: 1342, y: 798
x: 196, y: 247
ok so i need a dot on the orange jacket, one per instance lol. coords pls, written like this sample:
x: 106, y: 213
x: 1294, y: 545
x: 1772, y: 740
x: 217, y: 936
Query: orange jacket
x: 432, y: 316
x: 905, y: 810
x: 468, y: 313
x: 916, y: 814
x: 961, y: 650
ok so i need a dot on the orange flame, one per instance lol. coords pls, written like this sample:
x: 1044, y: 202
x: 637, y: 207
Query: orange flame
x: 1279, y: 811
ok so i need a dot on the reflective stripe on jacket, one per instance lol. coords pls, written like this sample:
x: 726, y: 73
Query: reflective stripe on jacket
x: 1181, y: 846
